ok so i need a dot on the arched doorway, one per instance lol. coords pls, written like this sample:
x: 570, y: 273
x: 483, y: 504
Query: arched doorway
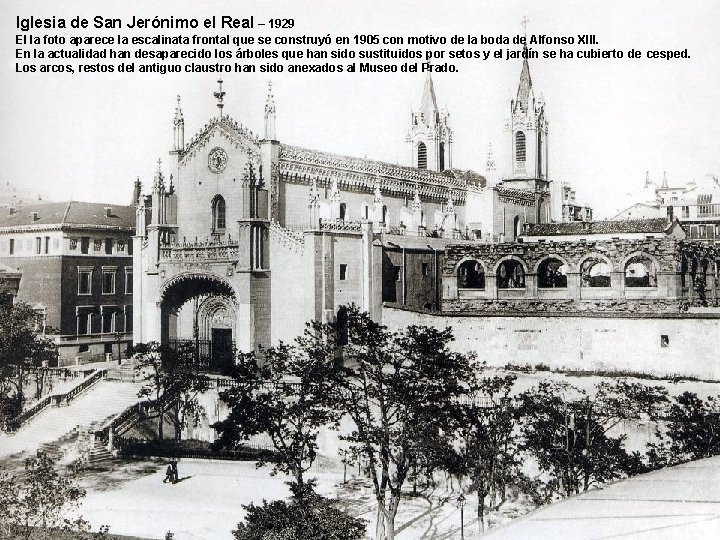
x: 199, y: 312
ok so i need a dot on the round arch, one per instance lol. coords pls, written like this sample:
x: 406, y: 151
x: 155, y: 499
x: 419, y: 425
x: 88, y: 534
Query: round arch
x: 511, y: 258
x: 636, y: 254
x: 552, y: 272
x: 180, y: 288
x: 637, y: 273
x: 510, y: 272
x: 593, y: 273
x: 560, y: 258
x: 470, y: 273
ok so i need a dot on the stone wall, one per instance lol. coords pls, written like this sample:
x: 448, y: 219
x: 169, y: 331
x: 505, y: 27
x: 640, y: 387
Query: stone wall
x: 659, y: 344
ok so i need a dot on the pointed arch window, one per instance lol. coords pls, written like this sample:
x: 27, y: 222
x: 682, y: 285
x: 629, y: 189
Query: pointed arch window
x: 343, y: 211
x: 218, y: 213
x: 442, y: 156
x: 520, y: 147
x: 421, y: 156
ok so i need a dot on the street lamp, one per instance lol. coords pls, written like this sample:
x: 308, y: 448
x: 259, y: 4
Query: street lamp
x: 461, y: 505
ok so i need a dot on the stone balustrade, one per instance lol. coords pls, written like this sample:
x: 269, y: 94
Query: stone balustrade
x: 208, y: 251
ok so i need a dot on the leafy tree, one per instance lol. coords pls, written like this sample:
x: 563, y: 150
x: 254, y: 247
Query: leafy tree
x: 692, y: 431
x: 288, y: 398
x: 566, y: 431
x: 394, y: 388
x: 310, y: 518
x: 42, y: 498
x: 21, y: 348
x: 487, y: 453
x: 172, y: 384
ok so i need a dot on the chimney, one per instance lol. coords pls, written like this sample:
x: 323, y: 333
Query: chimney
x: 108, y: 211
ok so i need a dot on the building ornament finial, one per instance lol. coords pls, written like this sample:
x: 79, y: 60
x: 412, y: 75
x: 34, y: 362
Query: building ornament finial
x: 524, y: 22
x: 219, y: 95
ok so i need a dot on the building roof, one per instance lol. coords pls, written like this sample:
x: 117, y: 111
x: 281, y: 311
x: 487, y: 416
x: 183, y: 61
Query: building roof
x: 584, y: 228
x: 70, y: 214
x: 361, y: 173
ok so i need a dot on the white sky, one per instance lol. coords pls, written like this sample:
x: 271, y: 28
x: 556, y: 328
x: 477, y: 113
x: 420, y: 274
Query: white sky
x: 89, y: 136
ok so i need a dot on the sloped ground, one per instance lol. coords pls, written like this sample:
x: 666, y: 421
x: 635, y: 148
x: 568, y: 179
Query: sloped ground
x: 676, y: 503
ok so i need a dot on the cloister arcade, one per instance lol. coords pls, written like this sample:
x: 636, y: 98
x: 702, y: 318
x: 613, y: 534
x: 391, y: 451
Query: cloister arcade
x: 665, y: 269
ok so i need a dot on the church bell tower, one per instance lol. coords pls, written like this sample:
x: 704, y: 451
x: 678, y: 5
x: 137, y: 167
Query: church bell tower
x: 430, y: 136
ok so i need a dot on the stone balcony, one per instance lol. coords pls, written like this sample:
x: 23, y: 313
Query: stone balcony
x: 201, y: 251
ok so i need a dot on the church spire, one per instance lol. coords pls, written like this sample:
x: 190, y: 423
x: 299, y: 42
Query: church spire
x: 270, y: 114
x: 664, y: 182
x: 428, y: 103
x: 430, y: 134
x: 524, y: 92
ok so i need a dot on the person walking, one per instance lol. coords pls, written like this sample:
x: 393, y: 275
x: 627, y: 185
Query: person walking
x: 174, y: 466
x: 169, y: 474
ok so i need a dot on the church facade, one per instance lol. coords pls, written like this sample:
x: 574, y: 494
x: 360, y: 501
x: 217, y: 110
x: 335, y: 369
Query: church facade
x: 244, y: 239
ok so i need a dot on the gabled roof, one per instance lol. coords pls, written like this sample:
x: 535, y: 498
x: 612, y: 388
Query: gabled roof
x: 584, y: 228
x: 236, y: 132
x: 369, y: 166
x: 70, y: 214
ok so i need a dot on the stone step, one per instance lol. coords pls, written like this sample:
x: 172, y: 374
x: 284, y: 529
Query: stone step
x: 105, y: 399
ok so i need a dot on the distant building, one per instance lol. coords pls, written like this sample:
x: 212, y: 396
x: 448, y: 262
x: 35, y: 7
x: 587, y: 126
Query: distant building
x: 75, y: 259
x: 696, y: 205
x: 568, y: 209
x: 12, y: 196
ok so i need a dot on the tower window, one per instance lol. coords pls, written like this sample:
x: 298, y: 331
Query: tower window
x: 343, y: 272
x: 218, y: 213
x: 442, y: 157
x: 343, y: 210
x: 421, y: 156
x: 520, y: 147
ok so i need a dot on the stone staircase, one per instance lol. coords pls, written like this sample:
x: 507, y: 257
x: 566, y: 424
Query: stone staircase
x: 99, y: 457
x: 57, y: 424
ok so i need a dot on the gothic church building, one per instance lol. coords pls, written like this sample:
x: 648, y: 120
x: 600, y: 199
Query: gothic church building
x: 247, y: 238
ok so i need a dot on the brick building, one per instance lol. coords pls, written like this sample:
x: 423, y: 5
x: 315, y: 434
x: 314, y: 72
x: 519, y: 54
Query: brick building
x: 75, y: 259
